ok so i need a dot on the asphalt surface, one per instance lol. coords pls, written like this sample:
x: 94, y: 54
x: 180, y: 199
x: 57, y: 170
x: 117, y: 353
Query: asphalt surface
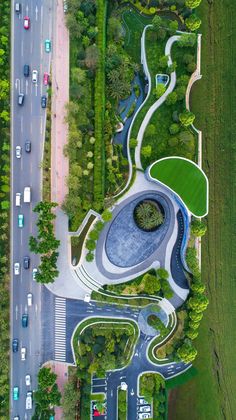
x: 28, y: 123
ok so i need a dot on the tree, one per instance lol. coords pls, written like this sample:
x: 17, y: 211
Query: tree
x: 133, y: 143
x: 94, y: 234
x: 163, y: 61
x: 171, y: 68
x: 187, y: 40
x: 194, y: 316
x: 193, y: 22
x: 187, y: 353
x: 198, y: 303
x: 115, y: 29
x: 197, y: 286
x: 192, y: 333
x: 160, y: 90
x: 107, y: 215
x: 92, y: 57
x: 70, y: 399
x: 47, y: 395
x: 192, y: 4
x: 171, y: 98
x: 162, y: 273
x: 156, y: 22
x: 174, y: 128
x: 89, y: 257
x: 198, y: 228
x: 151, y: 283
x: 186, y: 118
x: 173, y: 26
x: 146, y: 151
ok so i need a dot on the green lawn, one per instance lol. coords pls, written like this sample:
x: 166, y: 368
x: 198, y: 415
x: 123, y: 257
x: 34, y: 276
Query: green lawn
x: 211, y: 394
x: 186, y: 179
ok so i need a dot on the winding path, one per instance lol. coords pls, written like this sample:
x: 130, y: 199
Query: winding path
x: 159, y: 101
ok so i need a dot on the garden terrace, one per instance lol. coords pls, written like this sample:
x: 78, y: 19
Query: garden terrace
x: 185, y: 179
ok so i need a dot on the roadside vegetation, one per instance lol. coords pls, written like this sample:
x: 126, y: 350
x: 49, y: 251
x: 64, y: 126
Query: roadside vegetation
x: 5, y: 206
x: 71, y: 396
x: 46, y: 163
x: 152, y: 388
x: 122, y: 404
x: 47, y: 394
x: 46, y: 244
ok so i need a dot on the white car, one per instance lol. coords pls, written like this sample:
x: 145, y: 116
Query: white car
x: 34, y: 76
x: 16, y: 268
x: 18, y: 152
x: 23, y: 353
x: 29, y: 299
x: 144, y: 416
x: 142, y: 401
x: 145, y: 409
x: 27, y: 380
x: 34, y: 272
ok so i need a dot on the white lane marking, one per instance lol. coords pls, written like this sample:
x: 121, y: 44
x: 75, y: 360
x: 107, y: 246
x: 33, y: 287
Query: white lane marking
x: 31, y: 110
x: 22, y: 48
x: 21, y: 237
x: 21, y: 164
x: 31, y: 128
x: 21, y: 123
x: 16, y: 309
x: 41, y: 125
x: 31, y: 47
x: 21, y: 308
x: 17, y: 83
x: 36, y: 13
x: 36, y: 90
x: 36, y: 308
x: 30, y: 348
x: 27, y: 9
x: 31, y: 165
x: 26, y: 87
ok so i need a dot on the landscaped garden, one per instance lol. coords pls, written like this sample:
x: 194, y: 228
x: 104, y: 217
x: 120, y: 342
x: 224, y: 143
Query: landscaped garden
x: 186, y: 179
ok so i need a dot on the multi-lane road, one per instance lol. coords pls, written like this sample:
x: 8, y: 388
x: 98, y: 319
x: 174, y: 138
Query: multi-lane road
x: 28, y: 123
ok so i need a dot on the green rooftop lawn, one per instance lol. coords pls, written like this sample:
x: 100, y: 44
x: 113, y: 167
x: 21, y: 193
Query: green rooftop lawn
x: 186, y: 179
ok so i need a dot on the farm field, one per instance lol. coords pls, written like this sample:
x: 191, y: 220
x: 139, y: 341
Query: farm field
x: 212, y: 391
x: 185, y: 178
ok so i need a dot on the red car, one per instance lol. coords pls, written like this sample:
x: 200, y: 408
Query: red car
x: 45, y: 79
x: 26, y: 22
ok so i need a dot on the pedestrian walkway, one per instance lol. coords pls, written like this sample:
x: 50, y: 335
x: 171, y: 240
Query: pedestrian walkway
x: 60, y: 329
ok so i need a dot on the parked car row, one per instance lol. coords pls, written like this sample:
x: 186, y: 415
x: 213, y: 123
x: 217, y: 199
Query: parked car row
x: 144, y: 409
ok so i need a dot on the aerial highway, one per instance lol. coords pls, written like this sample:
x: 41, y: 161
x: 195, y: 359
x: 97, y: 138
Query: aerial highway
x: 27, y: 125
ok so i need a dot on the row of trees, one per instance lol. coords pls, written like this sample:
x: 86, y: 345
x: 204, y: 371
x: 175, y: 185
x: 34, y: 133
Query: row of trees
x: 95, y: 233
x: 47, y: 395
x: 45, y: 243
x: 152, y: 388
x: 5, y: 205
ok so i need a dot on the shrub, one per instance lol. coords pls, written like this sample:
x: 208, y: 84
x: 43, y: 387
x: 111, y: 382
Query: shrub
x: 193, y: 22
x: 171, y: 98
x: 174, y: 128
x: 90, y: 245
x: 160, y: 90
x: 198, y: 228
x: 89, y: 257
x: 186, y: 118
x: 107, y: 215
x: 148, y: 216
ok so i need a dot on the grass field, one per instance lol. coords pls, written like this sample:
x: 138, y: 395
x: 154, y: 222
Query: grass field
x: 211, y: 394
x: 186, y: 179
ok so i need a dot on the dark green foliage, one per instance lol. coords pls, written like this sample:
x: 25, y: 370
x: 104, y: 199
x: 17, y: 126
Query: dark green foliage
x: 47, y: 395
x: 148, y: 216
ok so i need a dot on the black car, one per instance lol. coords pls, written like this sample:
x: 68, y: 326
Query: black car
x: 43, y: 101
x: 24, y: 320
x: 15, y: 345
x: 28, y: 146
x: 21, y: 98
x: 26, y: 70
x: 26, y: 262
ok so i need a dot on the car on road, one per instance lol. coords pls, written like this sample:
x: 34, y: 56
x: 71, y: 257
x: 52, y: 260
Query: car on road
x: 26, y: 22
x: 65, y: 6
x: 16, y: 418
x: 145, y: 409
x: 29, y: 299
x: 21, y: 98
x: 45, y: 79
x: 18, y: 199
x: 24, y: 320
x: 26, y: 262
x: 144, y: 416
x: 142, y: 401
x: 16, y: 393
x: 18, y: 152
x: 34, y: 272
x: 20, y: 220
x: 47, y: 45
x: 27, y: 380
x: 28, y: 146
x: 18, y: 8
x: 23, y: 353
x: 43, y: 101
x: 16, y: 268
x: 28, y: 401
x: 26, y: 70
x: 15, y: 345
x: 34, y: 76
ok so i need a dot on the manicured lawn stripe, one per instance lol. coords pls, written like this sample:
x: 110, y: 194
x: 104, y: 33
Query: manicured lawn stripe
x: 186, y: 179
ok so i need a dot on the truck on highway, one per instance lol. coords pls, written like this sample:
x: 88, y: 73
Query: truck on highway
x: 27, y: 195
x: 28, y: 401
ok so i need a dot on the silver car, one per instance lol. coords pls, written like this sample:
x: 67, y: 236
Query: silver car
x: 18, y: 152
x: 17, y: 269
x: 34, y: 76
